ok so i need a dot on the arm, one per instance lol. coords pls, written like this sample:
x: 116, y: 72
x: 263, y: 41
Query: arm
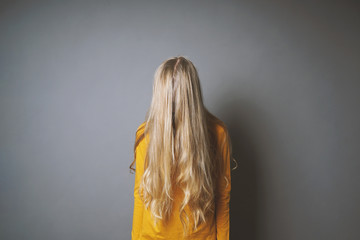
x: 223, y: 193
x: 138, y: 204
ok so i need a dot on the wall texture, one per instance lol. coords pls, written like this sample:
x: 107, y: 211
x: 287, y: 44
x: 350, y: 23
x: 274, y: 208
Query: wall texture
x: 76, y: 81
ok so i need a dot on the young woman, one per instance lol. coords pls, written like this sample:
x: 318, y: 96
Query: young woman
x: 182, y: 157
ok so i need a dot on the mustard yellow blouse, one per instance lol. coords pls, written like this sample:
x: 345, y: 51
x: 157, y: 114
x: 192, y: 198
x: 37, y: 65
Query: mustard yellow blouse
x: 218, y: 227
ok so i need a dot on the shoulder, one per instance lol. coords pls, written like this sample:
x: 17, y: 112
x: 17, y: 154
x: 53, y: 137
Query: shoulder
x: 221, y: 130
x: 216, y: 126
x: 140, y: 129
x: 223, y: 137
x: 139, y: 136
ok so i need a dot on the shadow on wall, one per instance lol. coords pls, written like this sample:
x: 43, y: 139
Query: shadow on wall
x: 244, y: 198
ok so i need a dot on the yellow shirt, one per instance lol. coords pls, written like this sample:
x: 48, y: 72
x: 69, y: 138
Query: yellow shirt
x: 218, y: 227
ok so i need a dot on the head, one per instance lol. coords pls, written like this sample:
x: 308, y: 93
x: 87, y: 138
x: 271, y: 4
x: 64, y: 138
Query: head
x: 181, y: 144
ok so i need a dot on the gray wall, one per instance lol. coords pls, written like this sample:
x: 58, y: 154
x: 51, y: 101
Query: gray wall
x: 76, y: 81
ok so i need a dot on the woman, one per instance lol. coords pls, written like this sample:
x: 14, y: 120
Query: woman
x: 182, y: 154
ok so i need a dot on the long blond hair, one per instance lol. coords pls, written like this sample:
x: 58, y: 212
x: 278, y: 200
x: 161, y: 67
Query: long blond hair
x: 182, y: 147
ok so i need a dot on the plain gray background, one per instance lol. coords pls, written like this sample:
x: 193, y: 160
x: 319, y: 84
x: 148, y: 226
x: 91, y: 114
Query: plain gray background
x: 76, y: 81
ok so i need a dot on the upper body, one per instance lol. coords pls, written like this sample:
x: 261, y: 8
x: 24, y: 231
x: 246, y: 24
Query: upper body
x: 217, y: 225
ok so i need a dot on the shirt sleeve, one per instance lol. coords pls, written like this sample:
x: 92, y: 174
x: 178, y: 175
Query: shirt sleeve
x: 223, y: 194
x: 138, y: 204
